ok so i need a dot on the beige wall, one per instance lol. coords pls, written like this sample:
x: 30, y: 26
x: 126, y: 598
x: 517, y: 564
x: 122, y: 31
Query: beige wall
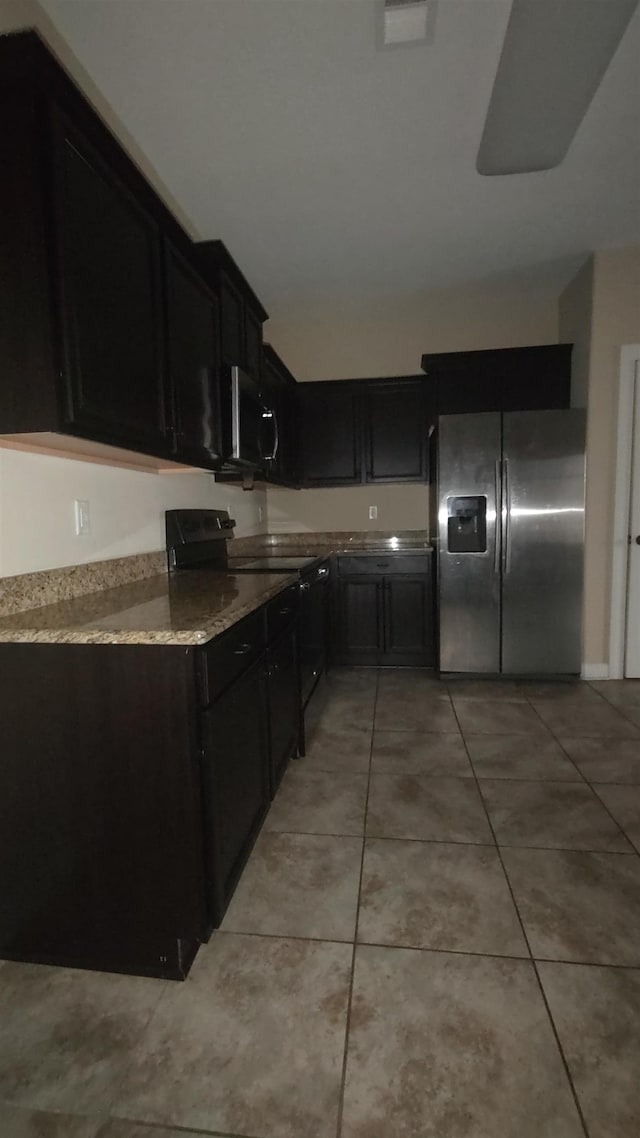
x: 601, y: 309
x: 347, y: 508
x: 127, y: 510
x: 338, y: 340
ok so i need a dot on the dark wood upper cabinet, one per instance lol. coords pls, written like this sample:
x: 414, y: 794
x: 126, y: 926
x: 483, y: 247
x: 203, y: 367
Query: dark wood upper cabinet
x: 109, y: 300
x: 252, y: 341
x: 232, y: 351
x: 358, y: 431
x: 540, y: 379
x: 331, y: 433
x: 241, y: 313
x: 503, y: 379
x: 95, y: 316
x: 396, y: 430
x: 193, y: 352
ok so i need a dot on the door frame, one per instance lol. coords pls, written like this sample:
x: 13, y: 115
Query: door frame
x: 628, y: 376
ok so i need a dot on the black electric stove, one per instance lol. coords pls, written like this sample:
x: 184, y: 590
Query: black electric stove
x: 200, y: 539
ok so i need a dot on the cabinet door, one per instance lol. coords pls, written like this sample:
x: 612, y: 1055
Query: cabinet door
x: 359, y: 634
x: 193, y: 362
x: 284, y: 704
x: 396, y: 430
x: 330, y: 422
x: 252, y: 342
x: 236, y: 782
x: 541, y: 379
x: 408, y: 624
x: 463, y: 390
x: 232, y: 346
x: 110, y: 270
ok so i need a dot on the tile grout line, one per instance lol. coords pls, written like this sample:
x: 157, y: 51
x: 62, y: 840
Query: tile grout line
x: 634, y: 847
x: 619, y: 708
x: 589, y: 783
x: 456, y: 841
x: 355, y: 930
x: 531, y: 956
x: 189, y: 1132
x: 433, y: 949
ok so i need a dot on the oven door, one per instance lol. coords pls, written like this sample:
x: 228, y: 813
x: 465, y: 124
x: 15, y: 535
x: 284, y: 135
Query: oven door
x: 254, y: 428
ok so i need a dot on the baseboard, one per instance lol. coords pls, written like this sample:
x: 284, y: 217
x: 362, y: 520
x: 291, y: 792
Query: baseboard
x: 595, y: 671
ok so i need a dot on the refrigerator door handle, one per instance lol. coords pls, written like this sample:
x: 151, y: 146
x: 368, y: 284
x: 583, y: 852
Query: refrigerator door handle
x: 497, y: 528
x: 506, y: 514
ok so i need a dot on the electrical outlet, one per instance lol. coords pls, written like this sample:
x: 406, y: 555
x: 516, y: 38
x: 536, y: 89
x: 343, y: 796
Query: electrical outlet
x: 373, y: 513
x: 82, y: 517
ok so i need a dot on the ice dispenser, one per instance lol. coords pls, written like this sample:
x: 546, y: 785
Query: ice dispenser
x: 467, y: 524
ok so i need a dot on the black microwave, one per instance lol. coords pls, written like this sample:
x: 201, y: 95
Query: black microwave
x: 253, y: 438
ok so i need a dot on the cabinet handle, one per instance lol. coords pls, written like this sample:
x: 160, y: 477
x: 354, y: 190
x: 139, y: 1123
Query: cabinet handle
x: 382, y: 564
x: 304, y: 585
x: 284, y: 611
x: 243, y: 649
x: 323, y: 572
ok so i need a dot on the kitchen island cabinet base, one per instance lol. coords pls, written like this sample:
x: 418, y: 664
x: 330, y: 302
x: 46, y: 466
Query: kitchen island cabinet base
x: 100, y: 808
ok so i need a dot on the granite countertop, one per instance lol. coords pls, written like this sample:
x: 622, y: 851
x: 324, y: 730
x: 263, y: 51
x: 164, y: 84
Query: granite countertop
x: 131, y: 601
x: 189, y: 608
x: 339, y: 541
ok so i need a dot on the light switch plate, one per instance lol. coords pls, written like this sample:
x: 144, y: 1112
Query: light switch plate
x: 373, y: 513
x: 82, y: 517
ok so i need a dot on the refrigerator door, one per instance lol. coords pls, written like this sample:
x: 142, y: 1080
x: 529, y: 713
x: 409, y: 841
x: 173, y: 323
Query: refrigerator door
x: 542, y: 542
x: 469, y: 543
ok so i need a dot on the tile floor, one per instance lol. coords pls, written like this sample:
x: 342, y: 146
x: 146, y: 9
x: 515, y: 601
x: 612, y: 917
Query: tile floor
x: 437, y: 936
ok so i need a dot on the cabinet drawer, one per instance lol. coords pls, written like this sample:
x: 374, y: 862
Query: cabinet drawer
x: 226, y: 657
x: 384, y: 563
x: 281, y: 611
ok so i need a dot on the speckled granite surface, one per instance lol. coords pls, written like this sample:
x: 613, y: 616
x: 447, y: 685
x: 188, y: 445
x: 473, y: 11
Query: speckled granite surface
x: 32, y: 590
x: 339, y: 541
x: 189, y: 608
x: 132, y: 600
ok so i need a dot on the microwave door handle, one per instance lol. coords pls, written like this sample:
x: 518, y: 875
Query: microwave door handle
x: 268, y: 414
x: 276, y: 436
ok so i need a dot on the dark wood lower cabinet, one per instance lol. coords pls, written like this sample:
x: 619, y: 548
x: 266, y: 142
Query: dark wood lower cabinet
x: 284, y: 703
x: 383, y: 617
x: 407, y: 621
x: 235, y: 782
x: 100, y: 808
x: 358, y: 625
x: 133, y: 782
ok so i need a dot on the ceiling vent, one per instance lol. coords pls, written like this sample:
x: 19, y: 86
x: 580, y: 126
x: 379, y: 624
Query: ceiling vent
x: 407, y: 22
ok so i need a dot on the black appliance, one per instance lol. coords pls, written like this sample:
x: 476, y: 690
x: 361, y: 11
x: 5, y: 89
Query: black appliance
x: 253, y: 437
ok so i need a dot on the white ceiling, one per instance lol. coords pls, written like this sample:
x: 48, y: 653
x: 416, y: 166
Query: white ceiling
x: 330, y: 166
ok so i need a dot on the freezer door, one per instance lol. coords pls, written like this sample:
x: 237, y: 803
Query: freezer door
x: 542, y: 542
x: 468, y: 543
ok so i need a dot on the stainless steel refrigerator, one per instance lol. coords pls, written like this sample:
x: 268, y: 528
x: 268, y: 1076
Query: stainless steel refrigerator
x: 510, y: 526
